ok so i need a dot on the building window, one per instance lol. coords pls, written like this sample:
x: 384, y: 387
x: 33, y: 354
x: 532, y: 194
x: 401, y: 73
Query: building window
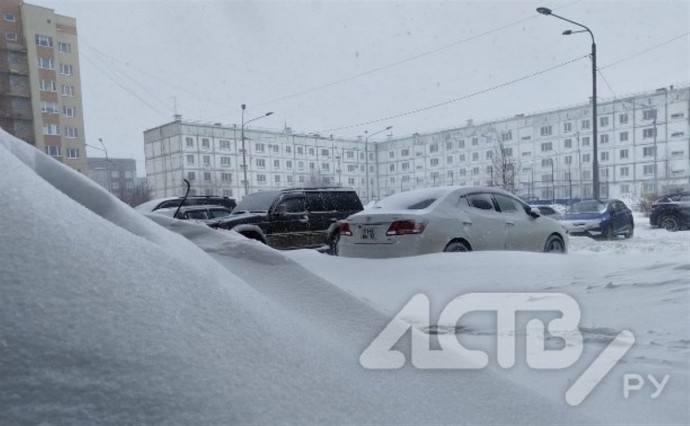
x: 311, y: 151
x: 207, y: 176
x: 586, y: 175
x: 51, y: 129
x: 64, y: 47
x: 433, y: 147
x: 461, y: 157
x: 9, y: 17
x: 261, y: 163
x: 604, y: 139
x: 475, y: 156
x: 71, y: 132
x: 546, y: 162
x: 45, y: 63
x: 288, y: 150
x: 225, y: 161
x: 546, y: 146
x: 325, y: 153
x: 475, y: 141
x: 648, y: 169
x: 625, y: 188
x: 43, y: 40
x: 226, y: 177
x: 53, y: 150
x: 677, y: 134
x: 603, y: 121
x: 625, y: 171
x: 261, y: 178
x: 449, y: 145
x: 391, y: 154
x: 623, y: 136
x: 205, y: 143
x: 69, y: 111
x: 677, y: 153
x: 546, y: 131
x: 191, y: 176
x: 224, y: 144
x: 10, y: 36
x: 73, y: 153
x: 649, y: 114
x: 259, y: 147
x: 434, y: 162
x: 585, y: 141
x: 623, y: 119
x: 300, y: 150
x: 325, y: 166
x: 623, y: 154
x: 648, y: 151
x: 276, y: 164
x: 190, y: 159
x: 449, y: 159
x: 584, y: 124
x: 65, y: 69
x: 461, y: 144
x: 49, y: 107
x: 567, y: 127
x: 189, y: 142
x: 585, y: 158
x: 207, y: 160
x: 489, y: 155
x: 48, y: 86
x: 67, y: 90
x: 568, y: 143
x: 288, y: 164
x: 604, y: 156
x: 391, y: 167
x: 568, y: 159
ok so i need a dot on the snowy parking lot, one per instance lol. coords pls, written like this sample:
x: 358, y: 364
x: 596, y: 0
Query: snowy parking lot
x: 107, y: 317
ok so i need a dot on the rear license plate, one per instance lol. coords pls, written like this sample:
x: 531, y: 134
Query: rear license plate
x: 368, y: 233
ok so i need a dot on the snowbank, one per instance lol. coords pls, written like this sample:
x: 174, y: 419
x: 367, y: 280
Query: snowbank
x: 107, y: 317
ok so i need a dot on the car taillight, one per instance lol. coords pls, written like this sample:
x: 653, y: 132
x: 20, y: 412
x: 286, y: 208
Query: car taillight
x: 405, y: 227
x: 345, y: 228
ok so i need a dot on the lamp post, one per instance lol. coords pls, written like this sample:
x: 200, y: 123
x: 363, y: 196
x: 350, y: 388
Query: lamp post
x: 366, y: 150
x: 595, y: 159
x: 107, y: 161
x: 244, y: 150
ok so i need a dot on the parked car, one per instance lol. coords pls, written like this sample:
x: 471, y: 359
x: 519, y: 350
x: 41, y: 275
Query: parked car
x: 549, y: 211
x: 449, y: 219
x: 206, y: 214
x: 294, y: 218
x: 174, y: 202
x: 605, y: 219
x: 671, y: 212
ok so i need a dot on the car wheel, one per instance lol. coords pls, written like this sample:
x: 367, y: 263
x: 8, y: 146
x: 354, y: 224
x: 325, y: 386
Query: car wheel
x: 554, y: 244
x: 630, y: 232
x: 670, y: 223
x: 608, y: 233
x: 456, y: 247
x: 333, y: 243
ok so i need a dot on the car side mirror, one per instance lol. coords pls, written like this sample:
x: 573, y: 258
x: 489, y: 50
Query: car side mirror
x: 280, y: 210
x: 534, y: 212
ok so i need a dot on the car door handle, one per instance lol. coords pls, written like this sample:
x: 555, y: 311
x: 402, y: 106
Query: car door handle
x: 304, y: 219
x: 467, y: 222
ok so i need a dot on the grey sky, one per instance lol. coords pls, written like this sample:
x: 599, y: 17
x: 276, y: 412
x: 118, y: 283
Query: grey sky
x: 137, y: 58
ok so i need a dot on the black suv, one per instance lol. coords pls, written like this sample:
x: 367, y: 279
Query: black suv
x: 671, y: 212
x: 293, y: 218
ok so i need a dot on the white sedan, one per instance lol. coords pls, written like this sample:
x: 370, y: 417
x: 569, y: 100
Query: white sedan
x: 449, y: 219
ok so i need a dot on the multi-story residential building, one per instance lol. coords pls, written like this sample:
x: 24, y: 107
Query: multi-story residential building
x: 40, y: 89
x: 643, y: 147
x: 113, y: 174
x: 212, y: 158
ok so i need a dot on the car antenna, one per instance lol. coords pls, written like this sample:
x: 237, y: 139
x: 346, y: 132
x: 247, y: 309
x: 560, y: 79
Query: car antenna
x: 183, y: 199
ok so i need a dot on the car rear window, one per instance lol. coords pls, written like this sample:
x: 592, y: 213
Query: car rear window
x: 413, y: 200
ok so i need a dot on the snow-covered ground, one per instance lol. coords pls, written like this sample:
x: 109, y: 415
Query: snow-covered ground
x: 109, y: 317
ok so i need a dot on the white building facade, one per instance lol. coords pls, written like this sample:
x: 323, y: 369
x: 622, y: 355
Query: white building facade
x: 643, y: 147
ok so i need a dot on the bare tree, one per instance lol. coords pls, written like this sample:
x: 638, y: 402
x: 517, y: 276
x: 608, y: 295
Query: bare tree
x: 504, y: 168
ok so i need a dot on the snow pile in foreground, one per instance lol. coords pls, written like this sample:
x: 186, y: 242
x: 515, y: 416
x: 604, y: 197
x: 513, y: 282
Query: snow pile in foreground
x: 107, y: 317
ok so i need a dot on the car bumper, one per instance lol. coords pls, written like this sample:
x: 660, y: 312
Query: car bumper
x: 576, y: 229
x: 408, y: 245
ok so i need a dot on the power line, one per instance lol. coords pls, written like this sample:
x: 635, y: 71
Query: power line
x: 644, y: 51
x: 405, y: 60
x: 498, y: 86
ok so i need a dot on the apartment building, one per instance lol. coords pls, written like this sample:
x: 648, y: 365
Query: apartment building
x: 40, y: 89
x: 643, y: 147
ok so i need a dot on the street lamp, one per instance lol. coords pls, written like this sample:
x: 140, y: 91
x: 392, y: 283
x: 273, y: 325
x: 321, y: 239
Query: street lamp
x: 244, y: 151
x: 107, y: 161
x: 366, y: 150
x: 595, y: 159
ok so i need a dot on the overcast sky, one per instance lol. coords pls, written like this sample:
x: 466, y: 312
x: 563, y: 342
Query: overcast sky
x: 330, y: 66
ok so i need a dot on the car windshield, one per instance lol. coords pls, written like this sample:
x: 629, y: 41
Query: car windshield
x: 256, y: 203
x: 588, y: 207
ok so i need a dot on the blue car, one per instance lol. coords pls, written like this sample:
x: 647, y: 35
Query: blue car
x: 605, y: 219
